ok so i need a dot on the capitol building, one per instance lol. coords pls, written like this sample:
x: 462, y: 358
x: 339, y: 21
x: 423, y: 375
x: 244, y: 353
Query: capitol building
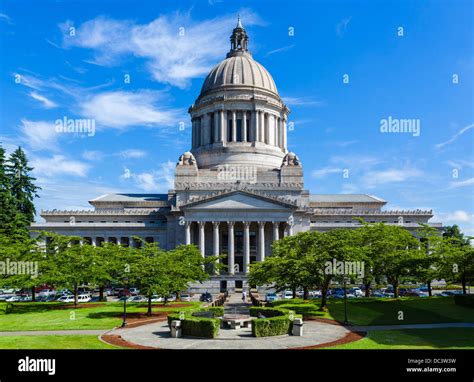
x: 236, y: 190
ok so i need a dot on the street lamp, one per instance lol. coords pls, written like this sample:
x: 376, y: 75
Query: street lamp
x: 346, y: 322
x: 124, y: 322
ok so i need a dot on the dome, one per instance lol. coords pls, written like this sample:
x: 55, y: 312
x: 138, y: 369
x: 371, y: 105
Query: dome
x: 239, y: 70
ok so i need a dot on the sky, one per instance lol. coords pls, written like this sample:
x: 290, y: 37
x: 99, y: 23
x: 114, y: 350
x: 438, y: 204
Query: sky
x: 344, y: 68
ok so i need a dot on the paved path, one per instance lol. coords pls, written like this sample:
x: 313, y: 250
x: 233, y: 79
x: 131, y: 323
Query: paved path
x: 53, y: 332
x: 158, y: 335
x: 235, y: 305
x: 413, y: 326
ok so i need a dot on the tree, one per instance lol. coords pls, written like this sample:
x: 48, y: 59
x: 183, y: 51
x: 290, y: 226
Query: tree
x: 22, y: 187
x: 7, y: 208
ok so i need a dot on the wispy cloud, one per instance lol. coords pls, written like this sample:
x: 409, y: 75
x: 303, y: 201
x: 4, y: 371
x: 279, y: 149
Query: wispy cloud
x: 280, y: 50
x: 461, y: 183
x: 5, y: 18
x: 323, y: 172
x: 373, y: 179
x: 342, y: 26
x: 160, y: 180
x: 119, y: 109
x: 455, y: 136
x: 58, y: 165
x: 303, y: 101
x: 47, y: 103
x: 175, y: 47
x: 38, y: 135
x: 132, y: 153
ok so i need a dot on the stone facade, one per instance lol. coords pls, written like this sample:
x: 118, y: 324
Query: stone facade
x: 237, y: 190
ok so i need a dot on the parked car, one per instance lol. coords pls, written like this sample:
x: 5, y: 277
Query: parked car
x: 97, y: 299
x: 83, y: 298
x: 13, y: 299
x: 124, y: 292
x: 46, y: 292
x: 172, y: 297
x: 156, y: 298
x: 185, y: 297
x: 315, y: 294
x: 27, y: 298
x: 206, y: 297
x: 136, y: 299
x: 66, y: 298
x: 134, y: 291
x: 377, y: 293
x: 450, y: 293
x: 356, y: 291
x: 287, y: 295
x: 269, y: 297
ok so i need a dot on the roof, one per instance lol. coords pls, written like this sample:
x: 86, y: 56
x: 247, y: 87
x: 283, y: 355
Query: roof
x: 131, y: 198
x: 239, y: 70
x: 344, y: 198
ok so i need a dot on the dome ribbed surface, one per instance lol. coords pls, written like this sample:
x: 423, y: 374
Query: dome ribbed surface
x: 239, y: 70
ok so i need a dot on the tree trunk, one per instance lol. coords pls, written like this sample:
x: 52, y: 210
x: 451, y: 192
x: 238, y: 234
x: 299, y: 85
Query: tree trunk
x: 430, y: 292
x: 305, y: 293
x: 101, y: 293
x: 367, y: 288
x: 294, y: 292
x: 149, y: 306
x: 33, y: 294
x: 324, y: 291
x: 463, y: 282
x: 75, y: 294
x: 395, y: 289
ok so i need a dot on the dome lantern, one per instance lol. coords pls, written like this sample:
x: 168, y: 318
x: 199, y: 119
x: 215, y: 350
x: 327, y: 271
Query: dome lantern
x: 238, y: 40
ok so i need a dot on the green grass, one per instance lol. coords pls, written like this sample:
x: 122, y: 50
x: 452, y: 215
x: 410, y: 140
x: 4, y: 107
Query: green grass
x: 363, y: 311
x: 446, y: 338
x: 43, y: 316
x: 54, y: 342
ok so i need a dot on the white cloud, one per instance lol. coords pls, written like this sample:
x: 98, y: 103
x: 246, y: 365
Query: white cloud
x: 455, y: 136
x: 121, y: 109
x: 342, y: 26
x: 58, y: 165
x: 47, y: 103
x: 280, y: 50
x: 4, y: 17
x: 93, y: 155
x: 132, y: 153
x: 303, y: 101
x: 461, y: 183
x: 460, y: 163
x: 392, y: 175
x: 39, y: 135
x: 160, y: 180
x: 323, y: 172
x: 175, y: 47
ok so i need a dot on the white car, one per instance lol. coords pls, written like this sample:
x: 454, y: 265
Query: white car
x: 185, y: 297
x: 134, y: 291
x: 13, y: 299
x: 46, y: 292
x: 136, y: 299
x: 156, y: 298
x: 83, y: 298
x: 66, y: 298
x: 287, y: 295
x: 356, y: 291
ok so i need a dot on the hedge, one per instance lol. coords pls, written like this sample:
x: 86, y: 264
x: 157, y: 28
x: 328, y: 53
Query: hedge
x: 6, y: 307
x: 274, y: 326
x: 267, y: 312
x: 197, y: 326
x: 466, y: 300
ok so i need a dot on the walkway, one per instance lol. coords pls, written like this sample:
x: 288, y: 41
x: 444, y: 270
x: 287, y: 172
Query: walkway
x: 413, y: 326
x: 235, y: 305
x: 53, y: 332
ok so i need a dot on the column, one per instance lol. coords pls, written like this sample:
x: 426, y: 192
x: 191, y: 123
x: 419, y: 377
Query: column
x: 202, y: 130
x: 244, y: 126
x: 193, y: 122
x: 267, y: 128
x: 246, y: 246
x: 216, y: 127
x: 131, y: 242
x: 188, y: 233
x: 276, y: 233
x: 234, y: 126
x: 93, y: 241
x: 261, y: 241
x: 222, y: 125
x: 202, y: 238
x: 278, y: 142
x: 119, y: 240
x: 261, y: 127
x: 254, y: 127
x: 284, y: 137
x: 230, y: 248
x: 215, y: 226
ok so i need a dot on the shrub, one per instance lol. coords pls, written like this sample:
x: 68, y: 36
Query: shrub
x: 197, y: 326
x: 267, y: 312
x: 308, y: 309
x: 466, y: 300
x: 6, y: 308
x: 274, y: 326
x: 217, y: 311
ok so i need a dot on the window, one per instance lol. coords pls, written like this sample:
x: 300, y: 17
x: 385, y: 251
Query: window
x: 239, y: 130
x: 213, y: 138
x: 229, y: 131
x: 248, y: 130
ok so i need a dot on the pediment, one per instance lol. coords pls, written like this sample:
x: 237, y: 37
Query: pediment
x: 239, y: 200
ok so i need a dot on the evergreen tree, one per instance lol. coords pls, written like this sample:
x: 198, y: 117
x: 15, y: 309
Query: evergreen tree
x: 22, y: 187
x: 7, y: 212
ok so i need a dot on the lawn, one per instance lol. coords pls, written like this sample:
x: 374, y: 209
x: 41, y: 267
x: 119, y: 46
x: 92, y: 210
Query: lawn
x: 446, y: 338
x: 412, y: 310
x: 54, y: 342
x: 47, y: 316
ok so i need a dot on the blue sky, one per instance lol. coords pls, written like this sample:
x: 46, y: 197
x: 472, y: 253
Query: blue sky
x: 405, y: 60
